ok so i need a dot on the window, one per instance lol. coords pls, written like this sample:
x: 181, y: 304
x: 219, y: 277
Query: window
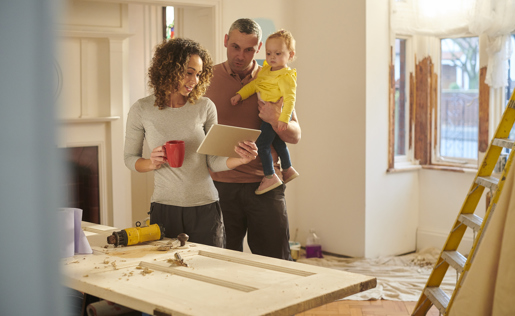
x: 401, y: 122
x: 168, y: 22
x: 458, y: 119
x: 400, y: 154
x: 509, y: 91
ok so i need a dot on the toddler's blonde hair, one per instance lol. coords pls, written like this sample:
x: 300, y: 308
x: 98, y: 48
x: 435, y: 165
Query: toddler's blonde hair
x: 288, y: 39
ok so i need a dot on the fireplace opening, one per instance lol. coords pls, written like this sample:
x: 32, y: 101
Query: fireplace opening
x: 82, y: 182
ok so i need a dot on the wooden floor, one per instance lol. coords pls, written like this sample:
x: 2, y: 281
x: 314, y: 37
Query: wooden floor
x: 367, y: 308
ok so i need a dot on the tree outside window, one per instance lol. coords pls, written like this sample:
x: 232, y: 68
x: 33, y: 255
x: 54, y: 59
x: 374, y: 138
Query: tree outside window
x: 459, y: 98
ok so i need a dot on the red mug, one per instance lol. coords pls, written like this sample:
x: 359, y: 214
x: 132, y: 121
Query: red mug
x: 174, y: 153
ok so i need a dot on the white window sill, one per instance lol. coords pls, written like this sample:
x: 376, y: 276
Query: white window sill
x: 450, y: 168
x: 404, y: 167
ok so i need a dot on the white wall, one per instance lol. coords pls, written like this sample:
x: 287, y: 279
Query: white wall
x: 391, y: 199
x: 331, y: 99
x: 442, y: 194
x: 197, y: 23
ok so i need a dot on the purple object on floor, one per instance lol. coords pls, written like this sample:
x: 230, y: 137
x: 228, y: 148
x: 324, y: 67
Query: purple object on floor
x: 314, y: 251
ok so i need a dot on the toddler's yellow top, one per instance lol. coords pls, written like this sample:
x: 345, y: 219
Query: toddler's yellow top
x: 271, y: 85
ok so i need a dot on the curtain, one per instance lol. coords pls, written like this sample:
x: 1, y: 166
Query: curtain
x: 439, y: 18
x: 447, y: 18
x: 496, y: 19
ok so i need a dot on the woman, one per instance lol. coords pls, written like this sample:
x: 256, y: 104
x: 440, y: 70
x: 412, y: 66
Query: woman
x: 185, y: 199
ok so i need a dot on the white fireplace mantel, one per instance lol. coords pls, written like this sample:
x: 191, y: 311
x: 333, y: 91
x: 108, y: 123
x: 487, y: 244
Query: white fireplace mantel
x: 94, y: 98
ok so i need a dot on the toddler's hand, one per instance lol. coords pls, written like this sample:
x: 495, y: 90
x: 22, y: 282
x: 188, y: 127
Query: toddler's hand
x: 281, y: 126
x: 235, y: 99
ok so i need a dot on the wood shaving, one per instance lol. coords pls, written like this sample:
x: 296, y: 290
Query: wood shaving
x: 139, y: 267
x: 146, y: 271
x: 177, y: 262
x: 106, y: 261
x: 86, y: 275
x: 114, y: 265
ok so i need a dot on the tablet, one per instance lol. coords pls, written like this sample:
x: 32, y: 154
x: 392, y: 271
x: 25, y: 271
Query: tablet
x: 221, y: 139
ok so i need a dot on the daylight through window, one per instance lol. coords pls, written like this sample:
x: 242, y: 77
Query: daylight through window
x: 169, y: 22
x: 459, y: 99
x: 400, y: 98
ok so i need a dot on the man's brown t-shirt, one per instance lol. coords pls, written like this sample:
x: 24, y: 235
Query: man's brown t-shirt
x: 224, y: 86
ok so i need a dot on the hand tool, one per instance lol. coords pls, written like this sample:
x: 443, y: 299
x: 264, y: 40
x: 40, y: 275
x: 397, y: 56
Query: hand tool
x: 136, y: 235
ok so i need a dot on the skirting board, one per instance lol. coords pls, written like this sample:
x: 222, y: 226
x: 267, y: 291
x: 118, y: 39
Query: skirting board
x: 429, y: 238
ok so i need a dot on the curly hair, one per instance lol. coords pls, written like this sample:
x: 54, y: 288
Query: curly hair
x: 168, y: 68
x: 287, y: 37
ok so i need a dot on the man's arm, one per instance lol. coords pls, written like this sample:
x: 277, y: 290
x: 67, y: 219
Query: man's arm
x: 270, y: 111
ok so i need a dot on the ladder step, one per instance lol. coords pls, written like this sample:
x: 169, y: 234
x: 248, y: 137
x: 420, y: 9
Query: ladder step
x: 471, y: 220
x: 503, y: 142
x: 455, y: 259
x: 438, y: 297
x: 488, y: 182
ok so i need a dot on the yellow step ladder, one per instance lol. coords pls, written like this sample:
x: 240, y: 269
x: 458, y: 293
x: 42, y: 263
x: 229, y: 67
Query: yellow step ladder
x: 432, y: 293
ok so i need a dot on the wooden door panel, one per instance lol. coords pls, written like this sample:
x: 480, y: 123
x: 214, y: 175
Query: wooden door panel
x: 215, y: 282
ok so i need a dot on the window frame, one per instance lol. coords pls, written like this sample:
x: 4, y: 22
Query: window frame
x: 436, y: 158
x: 492, y: 106
x: 407, y: 161
x: 408, y: 156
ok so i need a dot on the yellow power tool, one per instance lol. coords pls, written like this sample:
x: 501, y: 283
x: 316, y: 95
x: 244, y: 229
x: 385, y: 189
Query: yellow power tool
x: 136, y: 235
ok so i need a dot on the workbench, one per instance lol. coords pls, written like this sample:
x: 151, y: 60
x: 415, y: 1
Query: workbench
x: 209, y: 280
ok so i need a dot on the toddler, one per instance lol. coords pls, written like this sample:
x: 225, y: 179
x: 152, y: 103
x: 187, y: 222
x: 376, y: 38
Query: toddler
x: 274, y: 80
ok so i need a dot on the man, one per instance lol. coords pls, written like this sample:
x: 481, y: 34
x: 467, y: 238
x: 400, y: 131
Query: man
x: 263, y: 217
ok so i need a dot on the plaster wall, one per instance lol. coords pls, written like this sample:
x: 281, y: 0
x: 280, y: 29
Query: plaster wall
x: 391, y: 198
x: 330, y: 194
x: 442, y: 194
